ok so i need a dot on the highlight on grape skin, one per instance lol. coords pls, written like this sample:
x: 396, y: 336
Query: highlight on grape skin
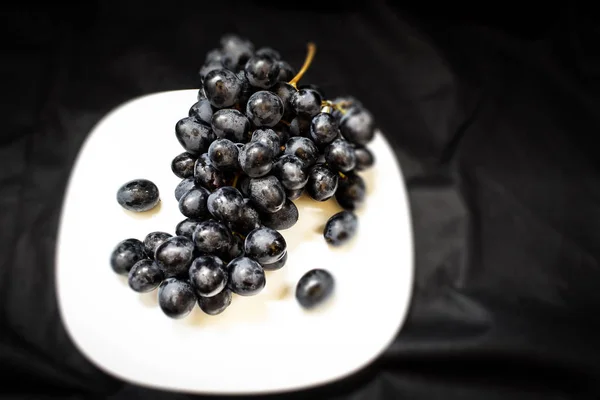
x: 257, y: 138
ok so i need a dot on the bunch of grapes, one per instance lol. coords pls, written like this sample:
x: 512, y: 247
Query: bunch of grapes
x: 254, y: 142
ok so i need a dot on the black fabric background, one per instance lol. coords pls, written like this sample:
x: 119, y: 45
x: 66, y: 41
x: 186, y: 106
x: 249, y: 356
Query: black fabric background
x: 493, y: 114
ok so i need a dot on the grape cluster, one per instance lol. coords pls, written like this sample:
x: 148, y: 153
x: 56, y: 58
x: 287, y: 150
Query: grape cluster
x: 253, y: 143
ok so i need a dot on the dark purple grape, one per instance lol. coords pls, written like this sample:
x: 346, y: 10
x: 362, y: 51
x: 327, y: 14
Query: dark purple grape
x: 306, y: 102
x: 269, y: 138
x: 126, y: 254
x: 268, y: 52
x: 300, y: 126
x: 230, y: 124
x: 283, y: 131
x: 174, y: 255
x: 216, y: 304
x: 345, y: 103
x: 223, y: 155
x: 226, y: 204
x: 208, y: 275
x: 246, y: 276
x: 194, y: 137
x: 357, y: 126
x: 138, y: 195
x: 209, y: 67
x: 153, y: 240
x: 314, y: 87
x: 256, y: 159
x: 290, y: 171
x: 340, y: 228
x: 364, y: 158
x: 285, y: 91
x: 215, y: 55
x: 145, y: 276
x: 193, y: 204
x: 248, y: 221
x: 243, y: 185
x: 264, y: 109
x: 285, y: 218
x: 294, y: 194
x: 322, y: 183
x: 277, y: 264
x: 348, y: 102
x: 187, y: 227
x: 246, y: 92
x: 324, y: 129
x: 286, y: 72
x: 201, y: 111
x: 212, y: 237
x: 230, y: 42
x: 314, y: 288
x: 266, y: 193
x: 262, y: 71
x: 237, y: 248
x: 183, y: 165
x: 222, y: 88
x: 351, y: 192
x: 236, y: 51
x: 176, y: 298
x: 265, y: 245
x: 206, y: 175
x: 184, y: 186
x: 340, y: 156
x: 304, y: 149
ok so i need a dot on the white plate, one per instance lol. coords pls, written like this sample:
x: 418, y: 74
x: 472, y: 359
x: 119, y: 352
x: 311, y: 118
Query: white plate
x: 260, y: 344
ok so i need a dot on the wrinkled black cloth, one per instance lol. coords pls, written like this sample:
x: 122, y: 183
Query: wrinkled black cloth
x: 494, y: 122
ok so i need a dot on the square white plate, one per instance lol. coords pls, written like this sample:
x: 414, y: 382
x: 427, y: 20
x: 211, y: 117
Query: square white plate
x: 260, y: 344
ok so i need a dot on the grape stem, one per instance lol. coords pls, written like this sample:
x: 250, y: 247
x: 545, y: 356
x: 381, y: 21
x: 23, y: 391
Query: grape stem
x: 312, y: 49
x: 341, y: 106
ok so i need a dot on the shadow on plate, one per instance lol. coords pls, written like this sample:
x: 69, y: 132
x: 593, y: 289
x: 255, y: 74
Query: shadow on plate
x: 246, y: 309
x: 145, y: 214
x: 149, y: 299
